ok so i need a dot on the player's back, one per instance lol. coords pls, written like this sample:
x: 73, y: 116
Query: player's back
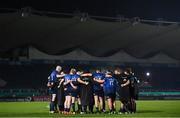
x: 74, y: 79
x: 68, y: 77
x: 110, y: 85
x: 98, y: 76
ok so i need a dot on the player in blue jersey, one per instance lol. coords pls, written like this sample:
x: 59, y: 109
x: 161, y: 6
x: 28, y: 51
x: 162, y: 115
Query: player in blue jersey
x: 110, y: 87
x: 74, y: 79
x: 79, y: 73
x: 67, y: 92
x: 70, y: 89
x: 53, y: 86
x: 98, y: 90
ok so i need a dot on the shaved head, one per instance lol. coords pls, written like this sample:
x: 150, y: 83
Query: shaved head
x: 58, y: 68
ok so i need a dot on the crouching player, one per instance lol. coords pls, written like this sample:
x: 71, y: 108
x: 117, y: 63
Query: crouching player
x: 53, y: 86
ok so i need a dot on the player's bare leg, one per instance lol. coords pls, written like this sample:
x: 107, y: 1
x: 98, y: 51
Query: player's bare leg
x: 114, y: 105
x: 101, y: 101
x: 79, y: 105
x: 52, y: 104
x: 67, y: 104
x: 110, y: 105
x: 73, y: 104
x: 96, y: 103
x: 121, y: 108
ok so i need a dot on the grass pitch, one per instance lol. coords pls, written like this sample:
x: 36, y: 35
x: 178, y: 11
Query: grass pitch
x: 156, y: 108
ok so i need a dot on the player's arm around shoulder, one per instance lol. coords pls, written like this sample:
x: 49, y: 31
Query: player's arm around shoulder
x: 82, y: 82
x: 99, y: 81
x: 74, y: 87
x: 49, y: 83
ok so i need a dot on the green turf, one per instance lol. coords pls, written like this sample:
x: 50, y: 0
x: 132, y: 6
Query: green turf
x: 39, y: 109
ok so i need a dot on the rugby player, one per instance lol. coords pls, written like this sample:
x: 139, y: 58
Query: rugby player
x: 86, y: 92
x: 110, y: 87
x: 60, y: 94
x: 69, y: 91
x: 75, y: 94
x: 52, y: 86
x: 133, y: 90
x: 98, y: 91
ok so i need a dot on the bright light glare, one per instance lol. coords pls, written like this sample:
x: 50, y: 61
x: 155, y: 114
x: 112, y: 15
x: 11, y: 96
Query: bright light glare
x: 148, y: 74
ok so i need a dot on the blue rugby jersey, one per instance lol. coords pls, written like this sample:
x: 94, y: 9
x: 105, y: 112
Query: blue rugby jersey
x: 110, y: 85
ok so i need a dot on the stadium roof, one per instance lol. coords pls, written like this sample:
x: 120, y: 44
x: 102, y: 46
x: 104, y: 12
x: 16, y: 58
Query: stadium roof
x: 118, y: 57
x: 99, y: 38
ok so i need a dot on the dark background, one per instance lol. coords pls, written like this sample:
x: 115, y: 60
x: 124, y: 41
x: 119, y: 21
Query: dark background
x: 147, y: 9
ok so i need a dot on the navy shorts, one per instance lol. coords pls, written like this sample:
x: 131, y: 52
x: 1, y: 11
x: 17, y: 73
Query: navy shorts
x: 74, y: 94
x: 52, y: 91
x: 70, y: 93
x: 111, y: 95
x: 99, y: 93
x: 66, y: 93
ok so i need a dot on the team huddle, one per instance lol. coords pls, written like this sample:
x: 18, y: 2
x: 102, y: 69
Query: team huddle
x: 90, y: 89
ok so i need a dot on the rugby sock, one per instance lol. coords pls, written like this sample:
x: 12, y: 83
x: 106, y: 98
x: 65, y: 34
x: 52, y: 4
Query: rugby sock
x: 102, y: 110
x: 125, y: 108
x: 91, y: 108
x: 73, y: 107
x: 97, y: 109
x: 84, y: 108
x: 135, y: 107
x: 61, y: 107
x: 55, y: 106
x: 79, y: 107
x: 52, y: 106
x: 104, y: 105
x: 66, y: 109
x: 113, y: 109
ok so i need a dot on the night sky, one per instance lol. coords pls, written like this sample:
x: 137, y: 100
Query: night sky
x: 146, y: 9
